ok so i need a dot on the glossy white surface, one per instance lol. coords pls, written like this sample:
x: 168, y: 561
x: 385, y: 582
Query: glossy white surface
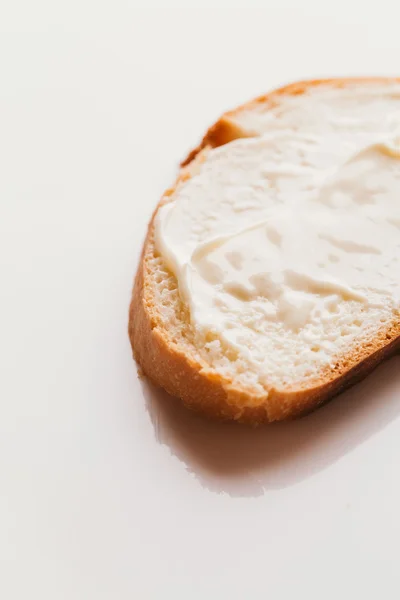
x: 108, y: 489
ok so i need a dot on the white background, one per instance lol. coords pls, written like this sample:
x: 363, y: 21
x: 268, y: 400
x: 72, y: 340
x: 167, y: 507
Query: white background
x: 108, y: 490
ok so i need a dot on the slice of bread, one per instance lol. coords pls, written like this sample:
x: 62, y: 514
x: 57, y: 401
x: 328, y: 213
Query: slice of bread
x: 292, y: 377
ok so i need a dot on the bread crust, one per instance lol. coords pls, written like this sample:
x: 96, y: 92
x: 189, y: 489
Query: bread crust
x: 169, y: 365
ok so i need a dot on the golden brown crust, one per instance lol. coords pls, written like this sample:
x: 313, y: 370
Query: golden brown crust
x: 167, y: 363
x: 225, y: 130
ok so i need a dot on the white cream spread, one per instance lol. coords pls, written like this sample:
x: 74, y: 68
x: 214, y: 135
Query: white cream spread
x: 287, y: 233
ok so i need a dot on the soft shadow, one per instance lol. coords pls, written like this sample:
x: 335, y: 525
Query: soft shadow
x: 241, y: 461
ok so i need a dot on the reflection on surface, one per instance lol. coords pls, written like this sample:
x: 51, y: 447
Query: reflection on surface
x: 241, y: 461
